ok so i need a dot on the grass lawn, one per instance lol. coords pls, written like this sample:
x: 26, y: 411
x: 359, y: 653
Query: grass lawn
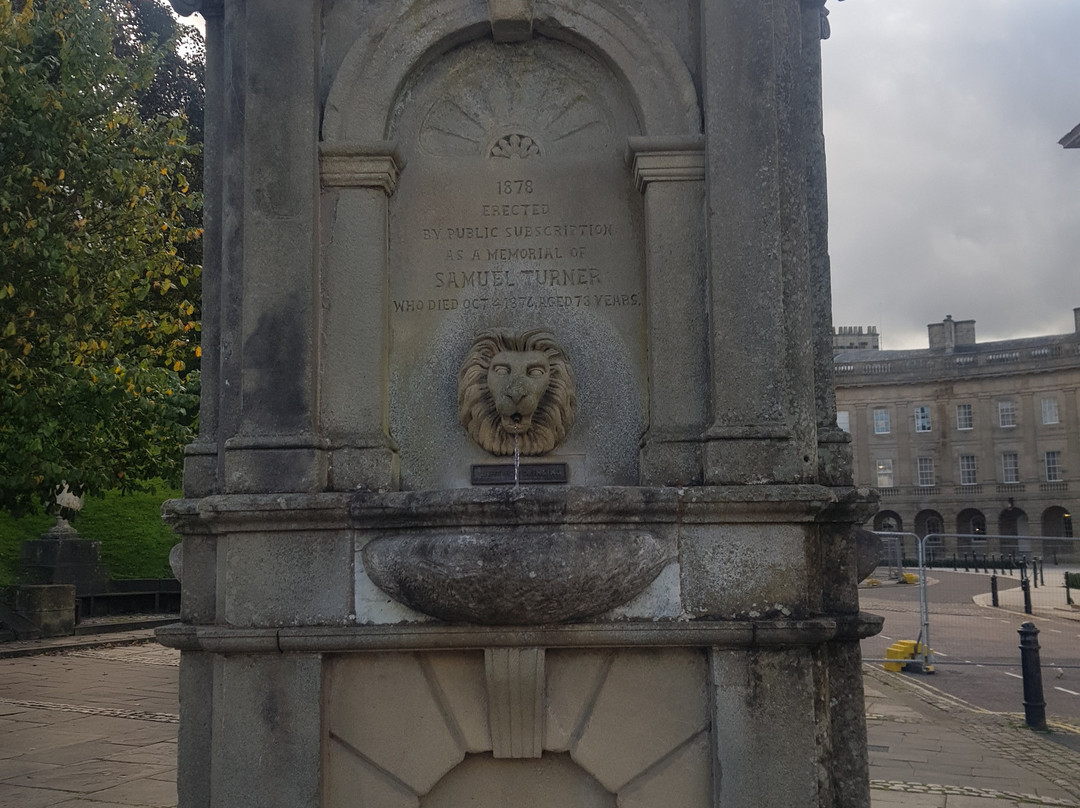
x: 135, y: 542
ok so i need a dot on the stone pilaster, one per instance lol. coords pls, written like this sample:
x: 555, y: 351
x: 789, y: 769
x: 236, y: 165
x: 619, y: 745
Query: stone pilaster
x: 201, y: 476
x: 358, y: 180
x: 670, y: 172
x: 274, y: 446
x: 834, y: 445
x: 748, y: 47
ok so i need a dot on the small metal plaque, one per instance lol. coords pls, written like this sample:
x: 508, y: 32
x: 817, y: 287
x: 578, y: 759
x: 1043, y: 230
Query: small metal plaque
x: 528, y: 474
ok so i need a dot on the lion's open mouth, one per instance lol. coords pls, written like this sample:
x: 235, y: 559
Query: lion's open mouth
x: 516, y: 423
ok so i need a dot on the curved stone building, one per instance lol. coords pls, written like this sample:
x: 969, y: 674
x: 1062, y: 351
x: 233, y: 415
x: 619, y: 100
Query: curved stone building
x: 966, y: 437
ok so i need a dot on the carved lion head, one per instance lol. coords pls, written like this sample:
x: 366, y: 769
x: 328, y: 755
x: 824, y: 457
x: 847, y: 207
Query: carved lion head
x: 516, y: 386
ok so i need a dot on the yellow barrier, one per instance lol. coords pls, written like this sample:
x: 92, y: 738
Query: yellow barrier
x: 906, y: 652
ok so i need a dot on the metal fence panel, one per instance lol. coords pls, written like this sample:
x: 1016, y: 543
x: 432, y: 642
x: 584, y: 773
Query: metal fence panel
x: 948, y: 608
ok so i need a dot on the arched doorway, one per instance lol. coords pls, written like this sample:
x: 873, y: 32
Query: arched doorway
x: 888, y: 522
x: 971, y: 525
x: 1057, y: 522
x: 928, y: 523
x: 1013, y: 521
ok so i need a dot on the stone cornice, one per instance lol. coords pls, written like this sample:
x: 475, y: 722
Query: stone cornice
x: 360, y: 165
x: 762, y: 633
x: 666, y: 159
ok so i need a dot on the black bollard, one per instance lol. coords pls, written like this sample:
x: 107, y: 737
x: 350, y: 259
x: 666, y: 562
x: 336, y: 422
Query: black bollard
x: 1035, y: 572
x: 966, y: 562
x: 1068, y: 594
x: 993, y: 591
x: 1034, y: 703
x: 954, y: 562
x: 1025, y: 585
x: 1042, y: 572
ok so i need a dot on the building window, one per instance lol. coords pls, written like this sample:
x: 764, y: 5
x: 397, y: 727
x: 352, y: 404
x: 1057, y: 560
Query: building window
x: 843, y: 420
x: 922, y: 419
x: 1010, y: 467
x: 1006, y: 414
x: 885, y: 474
x: 1050, y: 410
x: 925, y: 469
x: 964, y: 417
x: 881, y: 422
x: 967, y: 470
x: 1053, y: 467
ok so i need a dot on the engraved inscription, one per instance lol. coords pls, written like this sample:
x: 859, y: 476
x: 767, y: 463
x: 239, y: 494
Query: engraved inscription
x: 516, y: 266
x: 527, y: 474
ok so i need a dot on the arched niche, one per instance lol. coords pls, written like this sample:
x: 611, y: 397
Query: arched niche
x: 380, y: 63
x: 500, y: 174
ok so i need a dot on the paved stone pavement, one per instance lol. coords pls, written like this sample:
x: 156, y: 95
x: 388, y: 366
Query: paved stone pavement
x: 93, y: 725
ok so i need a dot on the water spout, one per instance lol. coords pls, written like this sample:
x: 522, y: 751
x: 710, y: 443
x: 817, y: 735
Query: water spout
x: 517, y: 461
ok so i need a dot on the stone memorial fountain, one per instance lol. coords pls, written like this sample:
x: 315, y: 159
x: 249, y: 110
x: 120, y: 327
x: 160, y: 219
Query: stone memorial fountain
x: 518, y: 478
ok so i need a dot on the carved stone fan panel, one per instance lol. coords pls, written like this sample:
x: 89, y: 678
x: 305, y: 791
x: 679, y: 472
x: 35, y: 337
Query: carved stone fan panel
x: 534, y: 99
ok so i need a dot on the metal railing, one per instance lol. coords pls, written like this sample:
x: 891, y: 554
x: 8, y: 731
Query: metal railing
x: 1021, y: 555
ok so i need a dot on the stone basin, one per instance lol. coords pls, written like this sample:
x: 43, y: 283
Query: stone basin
x: 516, y: 556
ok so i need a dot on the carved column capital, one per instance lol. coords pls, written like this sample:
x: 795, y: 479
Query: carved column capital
x: 666, y: 159
x: 360, y: 165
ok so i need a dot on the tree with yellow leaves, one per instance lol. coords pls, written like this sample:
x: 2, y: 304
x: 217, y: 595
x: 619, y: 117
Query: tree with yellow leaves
x: 98, y: 290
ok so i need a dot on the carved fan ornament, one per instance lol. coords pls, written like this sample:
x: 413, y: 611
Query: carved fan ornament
x: 515, y: 146
x: 535, y: 99
x: 516, y: 390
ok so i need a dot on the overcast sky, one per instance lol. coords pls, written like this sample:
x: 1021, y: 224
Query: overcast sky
x: 948, y: 191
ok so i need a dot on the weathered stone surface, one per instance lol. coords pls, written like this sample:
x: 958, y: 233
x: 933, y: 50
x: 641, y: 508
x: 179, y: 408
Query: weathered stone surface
x: 266, y: 742
x: 460, y: 678
x: 574, y: 679
x: 411, y: 739
x: 653, y: 702
x: 517, y: 575
x: 283, y: 579
x: 552, y: 780
x: 196, y: 733
x: 868, y: 552
x: 744, y: 570
x: 762, y: 704
x: 50, y: 607
x: 683, y: 779
x: 351, y: 780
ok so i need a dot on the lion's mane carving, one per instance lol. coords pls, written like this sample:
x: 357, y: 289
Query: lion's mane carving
x: 493, y: 429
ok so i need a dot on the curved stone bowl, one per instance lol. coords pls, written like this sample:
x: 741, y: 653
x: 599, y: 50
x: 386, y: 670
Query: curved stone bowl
x: 586, y: 556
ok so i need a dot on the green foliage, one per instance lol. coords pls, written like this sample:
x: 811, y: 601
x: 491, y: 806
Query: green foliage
x: 13, y: 532
x: 98, y: 303
x: 1073, y: 580
x: 135, y: 542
